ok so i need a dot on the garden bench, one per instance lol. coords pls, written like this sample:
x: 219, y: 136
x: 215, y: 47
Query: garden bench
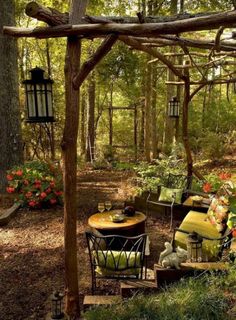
x: 171, y: 194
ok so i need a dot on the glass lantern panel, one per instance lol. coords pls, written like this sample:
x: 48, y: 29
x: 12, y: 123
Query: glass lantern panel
x: 49, y: 99
x: 42, y: 112
x: 30, y: 100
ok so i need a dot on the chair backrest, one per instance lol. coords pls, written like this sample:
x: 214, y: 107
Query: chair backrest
x: 116, y: 254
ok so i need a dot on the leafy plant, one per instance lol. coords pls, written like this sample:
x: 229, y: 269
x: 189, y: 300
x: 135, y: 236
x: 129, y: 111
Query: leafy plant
x: 36, y: 184
x: 154, y: 174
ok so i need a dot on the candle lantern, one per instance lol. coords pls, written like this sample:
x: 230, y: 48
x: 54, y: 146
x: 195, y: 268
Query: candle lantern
x: 173, y: 108
x: 56, y: 305
x: 39, y: 100
x: 194, y: 247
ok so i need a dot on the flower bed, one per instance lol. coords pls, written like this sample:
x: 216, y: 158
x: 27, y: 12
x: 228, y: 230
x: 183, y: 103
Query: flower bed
x: 36, y: 184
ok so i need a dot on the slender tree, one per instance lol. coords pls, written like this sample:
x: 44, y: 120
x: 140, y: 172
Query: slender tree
x: 10, y: 137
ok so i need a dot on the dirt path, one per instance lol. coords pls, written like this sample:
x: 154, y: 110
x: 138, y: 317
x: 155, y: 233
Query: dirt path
x: 31, y: 247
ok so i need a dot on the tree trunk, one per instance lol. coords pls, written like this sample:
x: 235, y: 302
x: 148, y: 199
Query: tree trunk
x: 91, y: 118
x: 154, y: 112
x: 11, y: 140
x: 148, y: 114
x: 69, y: 153
x: 82, y: 126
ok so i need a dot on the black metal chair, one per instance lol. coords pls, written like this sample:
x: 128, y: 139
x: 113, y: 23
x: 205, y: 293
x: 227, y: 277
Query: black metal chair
x: 116, y: 257
x: 174, y: 182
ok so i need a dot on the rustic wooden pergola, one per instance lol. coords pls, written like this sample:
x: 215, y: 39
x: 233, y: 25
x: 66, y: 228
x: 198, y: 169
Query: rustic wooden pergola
x: 141, y: 33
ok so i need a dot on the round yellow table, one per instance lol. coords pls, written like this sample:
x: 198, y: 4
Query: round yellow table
x: 130, y: 226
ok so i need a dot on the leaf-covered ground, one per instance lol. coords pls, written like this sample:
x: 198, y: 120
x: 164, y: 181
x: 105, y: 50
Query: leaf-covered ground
x: 32, y: 254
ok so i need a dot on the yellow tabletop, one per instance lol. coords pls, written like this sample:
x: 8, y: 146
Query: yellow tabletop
x: 103, y: 220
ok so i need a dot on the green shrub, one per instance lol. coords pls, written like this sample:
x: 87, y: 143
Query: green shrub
x: 212, y: 145
x: 36, y: 184
x: 156, y: 173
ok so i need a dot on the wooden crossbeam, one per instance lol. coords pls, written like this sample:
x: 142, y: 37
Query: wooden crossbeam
x: 214, y: 21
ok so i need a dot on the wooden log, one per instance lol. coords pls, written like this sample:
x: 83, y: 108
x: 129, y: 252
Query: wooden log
x: 49, y: 15
x: 69, y: 154
x: 214, y: 21
x: 89, y: 65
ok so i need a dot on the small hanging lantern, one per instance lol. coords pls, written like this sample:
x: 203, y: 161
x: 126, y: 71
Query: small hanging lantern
x: 39, y: 97
x: 194, y: 247
x: 173, y: 108
x: 56, y: 305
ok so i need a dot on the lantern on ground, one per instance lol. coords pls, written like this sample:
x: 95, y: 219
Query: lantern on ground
x: 56, y: 305
x: 194, y: 247
x: 39, y: 97
x: 173, y: 108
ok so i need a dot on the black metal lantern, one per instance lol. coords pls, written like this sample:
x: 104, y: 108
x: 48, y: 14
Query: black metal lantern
x: 39, y: 97
x: 194, y: 247
x: 56, y: 305
x: 173, y: 108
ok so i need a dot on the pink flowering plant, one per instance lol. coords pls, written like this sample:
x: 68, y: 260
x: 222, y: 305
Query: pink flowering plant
x: 36, y: 184
x: 224, y: 184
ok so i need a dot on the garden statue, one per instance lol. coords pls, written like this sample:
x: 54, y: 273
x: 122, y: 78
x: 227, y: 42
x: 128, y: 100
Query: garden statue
x: 169, y: 259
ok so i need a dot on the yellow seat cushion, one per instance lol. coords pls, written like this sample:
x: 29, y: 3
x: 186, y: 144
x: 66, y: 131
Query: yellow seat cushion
x: 198, y: 222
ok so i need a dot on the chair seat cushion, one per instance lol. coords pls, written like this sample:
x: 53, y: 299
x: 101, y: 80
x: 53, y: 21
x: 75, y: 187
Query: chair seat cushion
x: 199, y: 222
x: 167, y: 195
x: 113, y: 262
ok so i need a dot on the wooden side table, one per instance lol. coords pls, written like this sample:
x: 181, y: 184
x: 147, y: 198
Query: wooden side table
x: 131, y: 226
x: 189, y: 202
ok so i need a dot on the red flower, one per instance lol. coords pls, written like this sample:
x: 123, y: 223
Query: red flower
x: 10, y: 189
x: 43, y: 195
x: 19, y: 173
x: 52, y: 184
x: 9, y: 177
x: 26, y: 182
x: 234, y: 233
x: 28, y: 194
x: 224, y: 175
x: 37, y: 184
x: 58, y: 193
x: 53, y: 201
x: 207, y: 187
x: 32, y: 203
x: 48, y: 190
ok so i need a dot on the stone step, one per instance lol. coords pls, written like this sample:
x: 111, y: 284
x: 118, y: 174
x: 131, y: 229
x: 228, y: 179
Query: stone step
x: 130, y: 287
x: 92, y: 301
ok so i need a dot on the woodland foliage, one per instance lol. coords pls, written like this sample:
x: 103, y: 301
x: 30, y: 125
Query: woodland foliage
x: 121, y: 80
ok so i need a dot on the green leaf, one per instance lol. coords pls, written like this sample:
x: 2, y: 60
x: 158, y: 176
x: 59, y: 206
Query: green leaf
x: 232, y: 206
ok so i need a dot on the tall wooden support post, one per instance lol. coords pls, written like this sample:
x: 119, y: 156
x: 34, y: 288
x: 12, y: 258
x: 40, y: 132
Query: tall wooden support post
x: 135, y: 133
x: 186, y: 102
x: 110, y: 110
x: 69, y: 152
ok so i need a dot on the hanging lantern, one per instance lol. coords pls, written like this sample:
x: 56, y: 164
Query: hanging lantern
x: 173, y: 108
x: 194, y: 247
x: 39, y: 97
x: 56, y: 305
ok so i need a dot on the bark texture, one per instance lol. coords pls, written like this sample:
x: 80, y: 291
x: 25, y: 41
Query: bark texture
x: 10, y: 129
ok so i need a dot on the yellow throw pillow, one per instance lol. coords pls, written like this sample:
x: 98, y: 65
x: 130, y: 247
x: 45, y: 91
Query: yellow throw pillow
x: 167, y: 195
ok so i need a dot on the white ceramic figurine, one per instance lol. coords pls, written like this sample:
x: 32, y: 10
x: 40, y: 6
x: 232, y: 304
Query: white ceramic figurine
x: 169, y: 259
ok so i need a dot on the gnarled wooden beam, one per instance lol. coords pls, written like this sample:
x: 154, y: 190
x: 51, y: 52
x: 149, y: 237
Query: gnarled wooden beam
x: 214, y: 21
x: 49, y: 15
x: 89, y: 65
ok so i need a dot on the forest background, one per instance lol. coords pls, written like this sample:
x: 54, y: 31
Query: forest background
x: 123, y: 109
